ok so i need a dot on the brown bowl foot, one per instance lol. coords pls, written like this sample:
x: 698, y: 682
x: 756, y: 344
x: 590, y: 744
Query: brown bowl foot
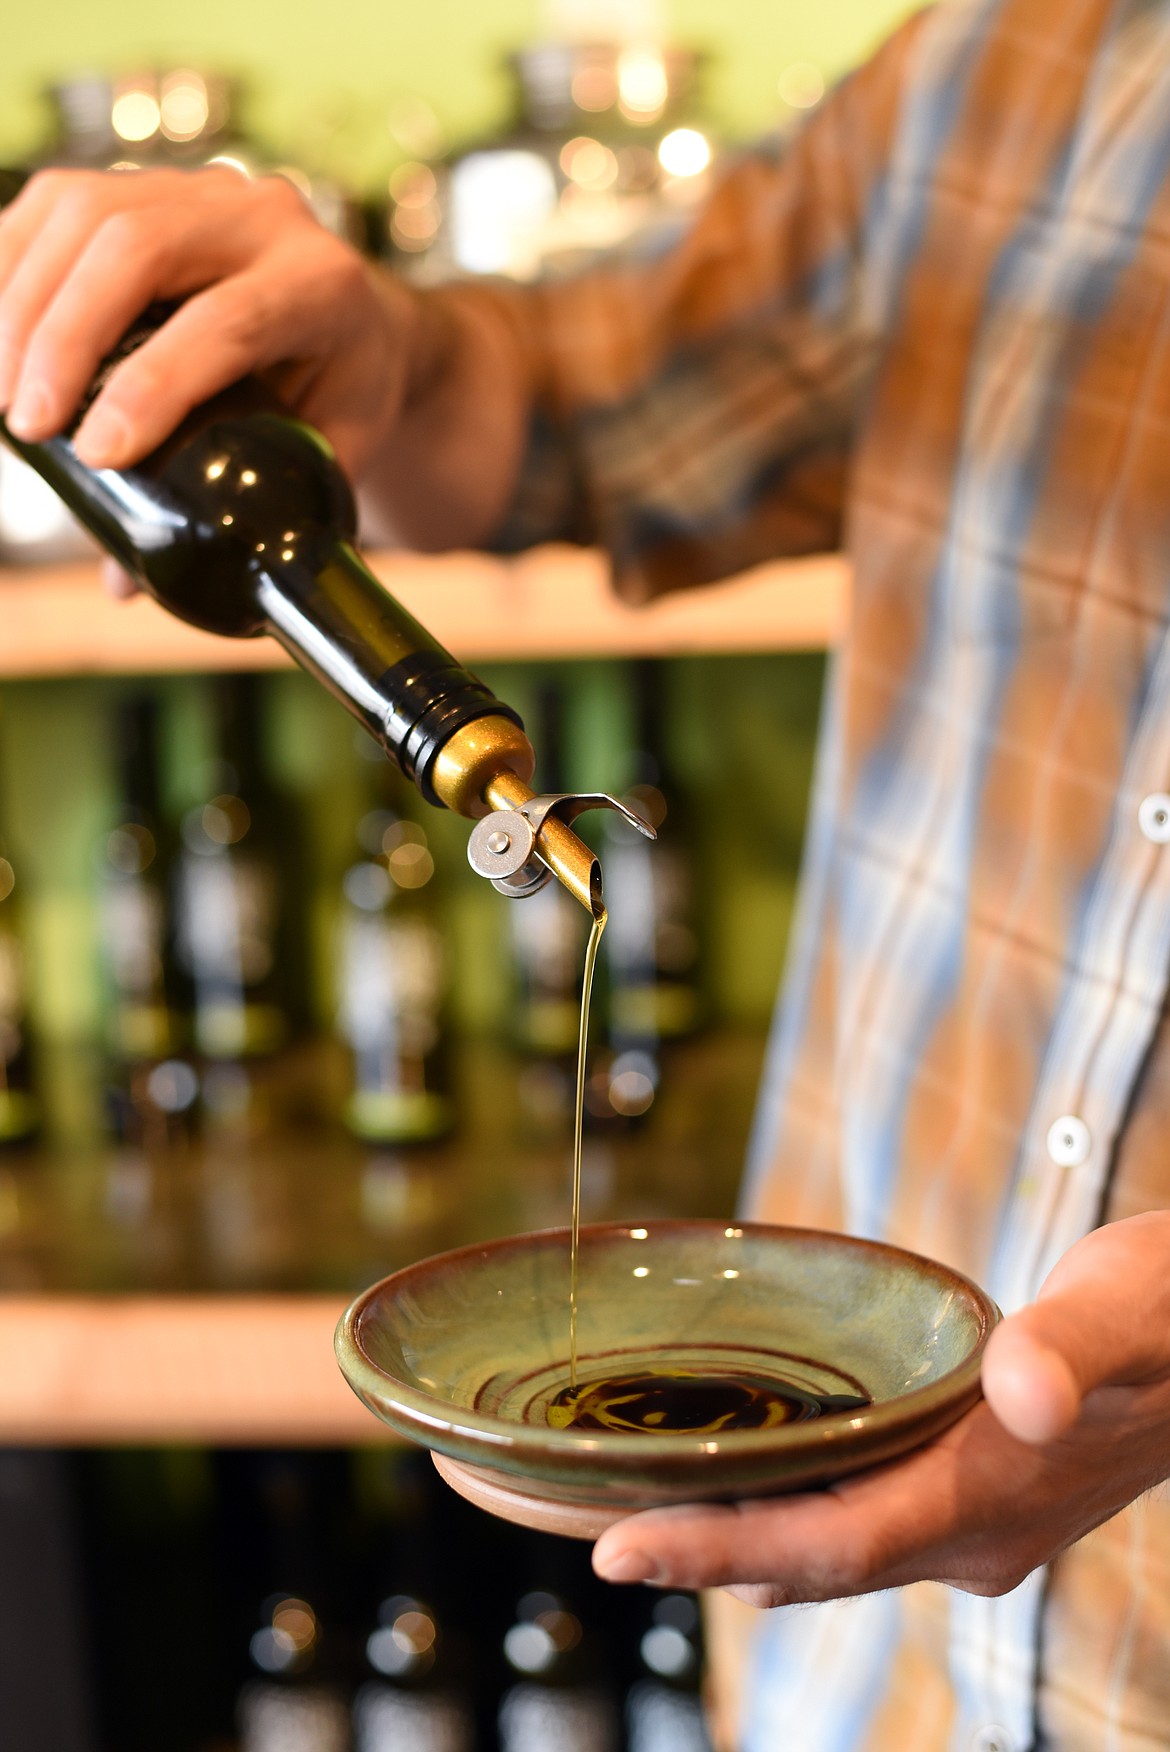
x: 496, y: 1492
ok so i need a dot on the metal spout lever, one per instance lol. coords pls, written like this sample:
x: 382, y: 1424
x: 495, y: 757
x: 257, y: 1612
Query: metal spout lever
x: 504, y: 845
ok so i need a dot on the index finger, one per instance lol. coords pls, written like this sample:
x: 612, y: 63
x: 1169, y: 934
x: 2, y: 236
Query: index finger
x: 926, y: 1515
x: 211, y: 341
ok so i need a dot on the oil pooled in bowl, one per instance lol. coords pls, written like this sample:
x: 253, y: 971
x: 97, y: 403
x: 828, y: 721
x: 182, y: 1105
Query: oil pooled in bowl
x: 660, y: 1402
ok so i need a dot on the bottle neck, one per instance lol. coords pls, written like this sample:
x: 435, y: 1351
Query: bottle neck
x: 327, y: 609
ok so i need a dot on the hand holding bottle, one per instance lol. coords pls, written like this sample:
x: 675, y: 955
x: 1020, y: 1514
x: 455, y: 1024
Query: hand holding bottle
x: 412, y: 393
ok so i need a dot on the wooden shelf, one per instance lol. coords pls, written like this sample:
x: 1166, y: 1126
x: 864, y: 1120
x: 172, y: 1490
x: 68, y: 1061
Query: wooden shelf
x: 552, y: 602
x: 192, y: 1296
x: 256, y: 1370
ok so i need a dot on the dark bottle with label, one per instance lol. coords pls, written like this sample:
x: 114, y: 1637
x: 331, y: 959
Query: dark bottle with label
x: 548, y: 947
x: 152, y: 1086
x: 651, y: 943
x: 285, y: 1546
x: 422, y: 1594
x: 229, y: 899
x: 560, y: 1702
x: 413, y: 1698
x: 664, y: 1709
x: 19, y: 1110
x: 287, y: 1707
x: 393, y: 977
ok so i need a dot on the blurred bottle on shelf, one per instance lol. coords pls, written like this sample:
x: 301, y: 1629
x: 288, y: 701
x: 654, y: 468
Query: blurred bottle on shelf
x: 19, y: 1109
x: 229, y: 896
x: 392, y: 970
x: 603, y: 149
x: 152, y: 1086
x: 560, y: 1703
x: 651, y: 944
x: 664, y: 1710
x: 548, y: 947
x: 287, y: 1708
x: 282, y: 1515
x: 413, y: 1700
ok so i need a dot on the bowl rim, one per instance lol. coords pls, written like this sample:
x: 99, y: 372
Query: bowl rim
x: 431, y: 1417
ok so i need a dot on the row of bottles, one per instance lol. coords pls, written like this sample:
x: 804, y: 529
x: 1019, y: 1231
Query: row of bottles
x: 557, y: 1701
x: 205, y: 963
x: 336, y: 1602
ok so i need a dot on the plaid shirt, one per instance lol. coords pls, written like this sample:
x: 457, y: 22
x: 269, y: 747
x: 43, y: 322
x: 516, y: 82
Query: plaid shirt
x: 936, y: 326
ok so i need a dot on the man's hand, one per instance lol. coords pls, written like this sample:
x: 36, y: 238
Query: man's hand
x: 265, y: 289
x: 1074, y: 1425
x: 421, y: 399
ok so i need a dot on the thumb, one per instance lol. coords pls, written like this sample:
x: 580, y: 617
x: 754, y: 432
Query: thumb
x: 1102, y: 1318
x: 1028, y: 1381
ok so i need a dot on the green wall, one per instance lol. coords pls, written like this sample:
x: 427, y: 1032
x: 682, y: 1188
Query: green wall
x: 322, y: 79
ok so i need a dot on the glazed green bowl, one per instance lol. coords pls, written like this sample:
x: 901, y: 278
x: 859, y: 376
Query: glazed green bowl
x: 466, y: 1352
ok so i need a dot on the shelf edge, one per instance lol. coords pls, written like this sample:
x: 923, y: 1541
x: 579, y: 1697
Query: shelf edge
x: 215, y: 1369
x: 554, y: 602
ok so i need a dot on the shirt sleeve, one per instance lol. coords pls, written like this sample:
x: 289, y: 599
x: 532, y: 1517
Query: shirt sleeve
x: 693, y: 412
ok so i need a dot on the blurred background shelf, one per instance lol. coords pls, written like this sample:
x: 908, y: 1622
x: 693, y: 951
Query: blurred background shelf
x: 554, y: 602
x: 228, y: 1370
x: 191, y: 1295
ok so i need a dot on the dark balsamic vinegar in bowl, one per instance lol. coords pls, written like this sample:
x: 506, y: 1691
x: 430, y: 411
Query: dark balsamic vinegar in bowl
x: 660, y: 1402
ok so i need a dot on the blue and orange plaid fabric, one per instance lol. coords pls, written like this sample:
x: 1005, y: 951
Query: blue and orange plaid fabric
x: 935, y: 327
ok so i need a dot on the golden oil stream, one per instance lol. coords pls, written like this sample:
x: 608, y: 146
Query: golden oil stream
x: 578, y: 1129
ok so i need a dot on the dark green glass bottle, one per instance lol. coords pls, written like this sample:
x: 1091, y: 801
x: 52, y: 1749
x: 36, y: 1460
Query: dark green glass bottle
x: 652, y: 945
x: 393, y: 976
x: 151, y: 1086
x: 242, y: 523
x: 232, y: 939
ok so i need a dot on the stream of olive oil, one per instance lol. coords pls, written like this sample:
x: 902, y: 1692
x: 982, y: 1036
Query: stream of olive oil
x: 672, y: 1397
x: 578, y: 1130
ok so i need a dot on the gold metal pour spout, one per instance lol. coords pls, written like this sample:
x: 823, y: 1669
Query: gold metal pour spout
x: 556, y: 845
x: 520, y: 837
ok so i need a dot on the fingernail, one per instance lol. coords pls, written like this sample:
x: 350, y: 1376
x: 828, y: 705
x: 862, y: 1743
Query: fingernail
x: 104, y: 439
x: 32, y: 412
x: 628, y: 1566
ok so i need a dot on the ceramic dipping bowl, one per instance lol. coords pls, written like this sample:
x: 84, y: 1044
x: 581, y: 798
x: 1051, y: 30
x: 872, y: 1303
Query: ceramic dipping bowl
x: 466, y: 1352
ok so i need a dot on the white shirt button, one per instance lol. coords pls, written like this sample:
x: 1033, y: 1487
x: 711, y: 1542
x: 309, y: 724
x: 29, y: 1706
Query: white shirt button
x: 1154, y: 817
x: 992, y: 1739
x: 1069, y: 1141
